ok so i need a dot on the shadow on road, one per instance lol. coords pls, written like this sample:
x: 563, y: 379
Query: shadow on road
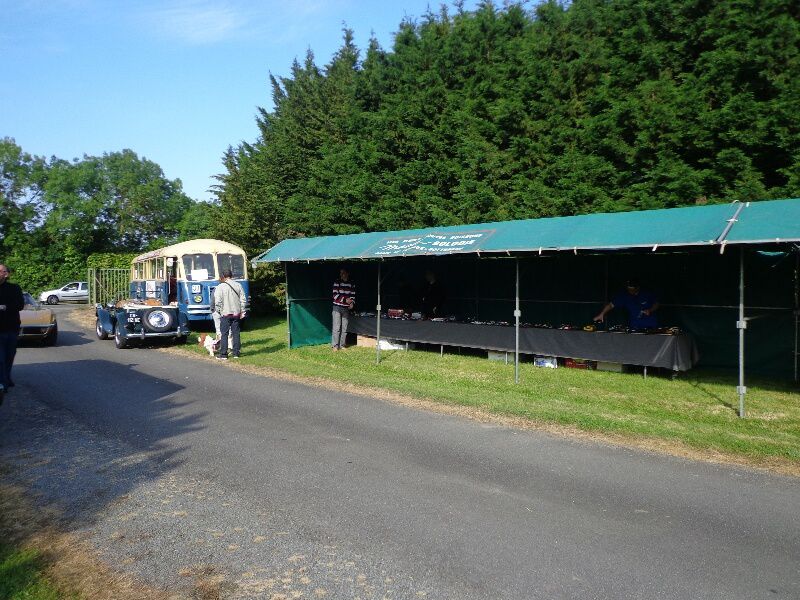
x: 65, y: 338
x: 83, y: 434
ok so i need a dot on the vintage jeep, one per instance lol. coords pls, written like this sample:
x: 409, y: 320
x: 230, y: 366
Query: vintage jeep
x: 134, y: 320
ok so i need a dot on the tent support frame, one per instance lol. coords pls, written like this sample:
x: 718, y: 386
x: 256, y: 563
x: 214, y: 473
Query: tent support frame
x: 288, y: 313
x: 378, y: 322
x: 741, y: 325
x: 517, y: 314
x: 796, y: 312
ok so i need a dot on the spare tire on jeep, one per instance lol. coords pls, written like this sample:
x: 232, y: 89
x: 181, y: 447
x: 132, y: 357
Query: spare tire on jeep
x: 158, y: 320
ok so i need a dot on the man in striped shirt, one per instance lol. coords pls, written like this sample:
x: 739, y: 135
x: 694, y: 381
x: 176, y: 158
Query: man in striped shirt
x: 344, y: 299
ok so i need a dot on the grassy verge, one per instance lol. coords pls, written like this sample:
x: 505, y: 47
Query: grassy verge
x: 696, y: 412
x: 39, y: 561
x: 21, y: 576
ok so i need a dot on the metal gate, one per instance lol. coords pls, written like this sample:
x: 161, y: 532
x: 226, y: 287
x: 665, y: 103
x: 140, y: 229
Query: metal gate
x: 108, y: 285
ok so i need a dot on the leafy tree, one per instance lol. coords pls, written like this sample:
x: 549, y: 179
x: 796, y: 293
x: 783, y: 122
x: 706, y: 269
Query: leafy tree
x: 56, y: 213
x: 18, y: 193
x: 110, y: 260
x: 198, y: 221
x: 144, y: 207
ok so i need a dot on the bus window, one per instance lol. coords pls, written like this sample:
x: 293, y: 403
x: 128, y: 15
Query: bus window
x: 234, y: 262
x: 199, y: 267
x: 172, y: 281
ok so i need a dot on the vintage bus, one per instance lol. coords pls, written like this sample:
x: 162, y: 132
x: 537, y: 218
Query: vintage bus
x: 186, y: 274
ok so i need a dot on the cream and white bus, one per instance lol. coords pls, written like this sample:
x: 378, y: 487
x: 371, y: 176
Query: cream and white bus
x: 186, y: 274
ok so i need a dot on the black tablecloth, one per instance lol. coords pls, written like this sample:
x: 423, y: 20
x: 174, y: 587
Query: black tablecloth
x: 676, y: 352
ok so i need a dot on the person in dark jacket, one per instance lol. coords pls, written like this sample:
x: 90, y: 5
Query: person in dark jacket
x: 432, y: 296
x: 11, y: 303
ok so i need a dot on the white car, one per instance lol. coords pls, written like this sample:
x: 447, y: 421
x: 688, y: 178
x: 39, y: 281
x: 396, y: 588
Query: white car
x: 75, y: 291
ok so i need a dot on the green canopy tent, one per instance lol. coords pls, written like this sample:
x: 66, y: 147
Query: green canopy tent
x: 587, y: 253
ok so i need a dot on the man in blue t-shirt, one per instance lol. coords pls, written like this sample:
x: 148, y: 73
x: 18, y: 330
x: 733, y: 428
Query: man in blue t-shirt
x: 639, y: 303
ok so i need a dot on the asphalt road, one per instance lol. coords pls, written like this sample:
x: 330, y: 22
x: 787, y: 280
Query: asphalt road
x: 182, y: 468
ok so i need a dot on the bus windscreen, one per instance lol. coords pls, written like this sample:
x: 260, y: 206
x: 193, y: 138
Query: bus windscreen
x: 199, y: 267
x: 234, y: 262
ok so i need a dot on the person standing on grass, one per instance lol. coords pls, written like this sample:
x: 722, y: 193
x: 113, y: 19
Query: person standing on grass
x: 228, y: 303
x: 344, y: 299
x: 11, y: 303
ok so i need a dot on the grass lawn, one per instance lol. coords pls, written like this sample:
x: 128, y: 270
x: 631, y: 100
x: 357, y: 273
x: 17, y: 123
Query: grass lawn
x: 21, y: 576
x: 696, y: 412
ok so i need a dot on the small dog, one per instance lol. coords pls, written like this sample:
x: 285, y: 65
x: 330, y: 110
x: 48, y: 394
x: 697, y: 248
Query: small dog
x: 207, y: 342
x: 211, y: 344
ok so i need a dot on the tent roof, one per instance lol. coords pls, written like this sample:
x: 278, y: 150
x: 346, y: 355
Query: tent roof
x: 736, y: 223
x: 763, y: 222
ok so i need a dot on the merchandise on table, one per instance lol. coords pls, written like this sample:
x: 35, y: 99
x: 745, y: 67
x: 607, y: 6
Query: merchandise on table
x: 400, y: 314
x: 549, y: 362
x: 576, y: 363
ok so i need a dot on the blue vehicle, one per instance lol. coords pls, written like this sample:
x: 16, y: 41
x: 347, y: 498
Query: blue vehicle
x: 134, y: 320
x: 170, y: 289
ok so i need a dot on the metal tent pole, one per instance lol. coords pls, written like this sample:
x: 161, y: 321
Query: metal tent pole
x: 288, y: 317
x: 475, y: 288
x: 378, y: 324
x: 741, y: 324
x: 517, y: 315
x: 796, y: 311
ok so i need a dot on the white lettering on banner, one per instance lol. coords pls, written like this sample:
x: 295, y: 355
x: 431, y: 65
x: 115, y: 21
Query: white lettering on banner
x: 432, y: 243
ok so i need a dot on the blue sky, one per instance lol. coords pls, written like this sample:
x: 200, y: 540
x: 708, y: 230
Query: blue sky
x: 176, y: 81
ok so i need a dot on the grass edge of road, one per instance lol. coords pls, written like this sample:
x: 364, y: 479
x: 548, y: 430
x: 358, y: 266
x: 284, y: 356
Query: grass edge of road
x: 22, y: 575
x: 693, y: 417
x: 41, y: 561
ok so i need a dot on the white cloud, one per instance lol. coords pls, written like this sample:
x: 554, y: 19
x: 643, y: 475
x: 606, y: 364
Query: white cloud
x: 199, y: 21
x: 211, y: 21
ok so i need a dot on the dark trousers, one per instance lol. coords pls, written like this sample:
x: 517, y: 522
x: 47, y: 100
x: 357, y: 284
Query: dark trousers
x: 232, y: 325
x: 8, y: 350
